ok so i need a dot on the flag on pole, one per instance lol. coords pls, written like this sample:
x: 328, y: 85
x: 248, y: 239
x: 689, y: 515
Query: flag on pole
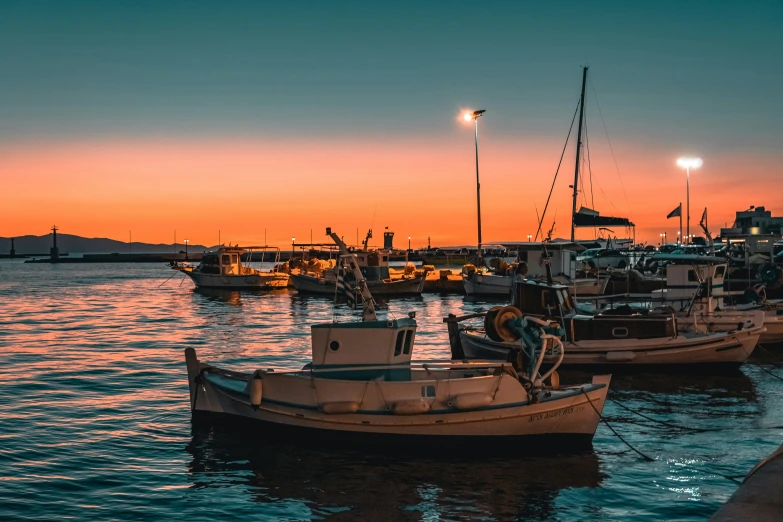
x: 704, y: 217
x: 345, y: 289
x: 677, y: 212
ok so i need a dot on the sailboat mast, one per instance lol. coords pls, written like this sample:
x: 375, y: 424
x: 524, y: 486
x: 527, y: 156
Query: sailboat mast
x: 578, y: 149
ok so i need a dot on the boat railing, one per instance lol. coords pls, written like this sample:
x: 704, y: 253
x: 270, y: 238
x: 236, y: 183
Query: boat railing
x: 440, y: 364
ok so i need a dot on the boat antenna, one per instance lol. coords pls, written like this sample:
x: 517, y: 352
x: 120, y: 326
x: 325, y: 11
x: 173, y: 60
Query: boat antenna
x: 578, y: 151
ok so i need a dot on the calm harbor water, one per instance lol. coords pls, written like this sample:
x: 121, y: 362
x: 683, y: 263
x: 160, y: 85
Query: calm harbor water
x: 95, y: 420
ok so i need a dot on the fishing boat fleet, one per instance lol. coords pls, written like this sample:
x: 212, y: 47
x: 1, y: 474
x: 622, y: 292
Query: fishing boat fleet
x: 362, y: 383
x: 561, y: 309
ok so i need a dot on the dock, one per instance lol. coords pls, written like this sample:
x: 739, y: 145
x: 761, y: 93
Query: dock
x: 118, y: 258
x: 760, y: 496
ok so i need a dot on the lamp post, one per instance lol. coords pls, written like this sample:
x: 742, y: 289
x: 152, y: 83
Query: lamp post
x: 688, y: 164
x: 409, y: 243
x: 530, y: 238
x: 293, y: 240
x: 186, y: 249
x: 679, y: 239
x: 468, y: 116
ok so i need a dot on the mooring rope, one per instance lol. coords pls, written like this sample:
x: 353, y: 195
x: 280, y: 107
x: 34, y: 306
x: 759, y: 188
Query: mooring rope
x: 732, y: 478
x: 663, y: 423
x: 764, y: 369
x: 645, y: 457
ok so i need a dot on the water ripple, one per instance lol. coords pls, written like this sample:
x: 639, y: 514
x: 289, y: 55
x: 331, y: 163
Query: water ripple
x: 96, y: 421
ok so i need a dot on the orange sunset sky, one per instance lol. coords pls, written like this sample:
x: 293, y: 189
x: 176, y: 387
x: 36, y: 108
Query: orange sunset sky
x: 195, y: 120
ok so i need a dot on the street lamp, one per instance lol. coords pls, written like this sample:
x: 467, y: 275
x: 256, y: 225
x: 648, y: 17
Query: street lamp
x: 688, y: 164
x: 409, y: 243
x: 468, y: 116
x: 293, y: 240
x: 679, y: 240
x: 186, y: 249
x: 530, y: 238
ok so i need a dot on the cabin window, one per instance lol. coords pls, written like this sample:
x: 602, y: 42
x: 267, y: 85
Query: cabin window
x: 233, y: 259
x: 692, y: 275
x: 720, y: 271
x: 620, y: 331
x: 408, y: 341
x: 334, y: 346
x: 398, y: 345
x: 385, y: 258
x: 226, y: 259
x: 428, y: 392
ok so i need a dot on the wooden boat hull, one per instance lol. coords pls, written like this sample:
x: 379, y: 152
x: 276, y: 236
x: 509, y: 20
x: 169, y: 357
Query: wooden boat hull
x: 723, y: 321
x: 573, y: 413
x: 719, y: 348
x: 260, y: 281
x: 320, y: 285
x: 487, y: 284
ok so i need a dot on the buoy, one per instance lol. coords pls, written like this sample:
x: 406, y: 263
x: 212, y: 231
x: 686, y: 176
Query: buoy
x: 554, y: 380
x: 504, y: 315
x: 412, y: 407
x: 471, y: 401
x: 256, y: 391
x: 340, y: 407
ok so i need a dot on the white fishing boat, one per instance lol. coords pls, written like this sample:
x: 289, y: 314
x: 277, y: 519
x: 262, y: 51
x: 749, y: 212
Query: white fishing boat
x: 561, y: 259
x: 361, y: 384
x: 695, y: 291
x: 374, y: 266
x: 225, y: 269
x: 773, y: 319
x: 623, y: 340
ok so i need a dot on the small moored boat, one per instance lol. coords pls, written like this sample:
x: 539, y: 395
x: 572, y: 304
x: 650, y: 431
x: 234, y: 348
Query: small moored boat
x: 616, y: 340
x: 225, y: 269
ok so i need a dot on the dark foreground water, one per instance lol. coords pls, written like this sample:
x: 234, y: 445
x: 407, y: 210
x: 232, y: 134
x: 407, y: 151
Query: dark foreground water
x: 95, y: 420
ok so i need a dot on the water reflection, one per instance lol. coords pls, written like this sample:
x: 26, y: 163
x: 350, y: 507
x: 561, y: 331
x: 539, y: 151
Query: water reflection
x: 383, y: 486
x: 232, y: 297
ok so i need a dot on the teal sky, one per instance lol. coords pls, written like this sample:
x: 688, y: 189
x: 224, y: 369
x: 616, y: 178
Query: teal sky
x: 663, y: 71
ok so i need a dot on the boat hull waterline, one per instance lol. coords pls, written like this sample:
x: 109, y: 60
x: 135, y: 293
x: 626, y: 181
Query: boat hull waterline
x: 568, y: 412
x: 259, y: 281
x: 720, y: 348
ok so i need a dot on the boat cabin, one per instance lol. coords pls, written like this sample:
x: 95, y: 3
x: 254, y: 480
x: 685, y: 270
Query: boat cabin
x: 226, y: 261
x: 554, y: 301
x: 374, y: 265
x: 370, y: 343
x: 685, y: 273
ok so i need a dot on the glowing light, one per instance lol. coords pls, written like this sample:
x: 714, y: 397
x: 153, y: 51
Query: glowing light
x: 467, y: 116
x: 689, y: 163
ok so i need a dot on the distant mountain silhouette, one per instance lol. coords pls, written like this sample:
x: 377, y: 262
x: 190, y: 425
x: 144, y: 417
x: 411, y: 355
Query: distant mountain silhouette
x: 87, y: 245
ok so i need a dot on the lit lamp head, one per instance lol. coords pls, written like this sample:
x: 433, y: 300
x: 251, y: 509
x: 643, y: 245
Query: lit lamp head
x: 689, y: 163
x: 469, y: 116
